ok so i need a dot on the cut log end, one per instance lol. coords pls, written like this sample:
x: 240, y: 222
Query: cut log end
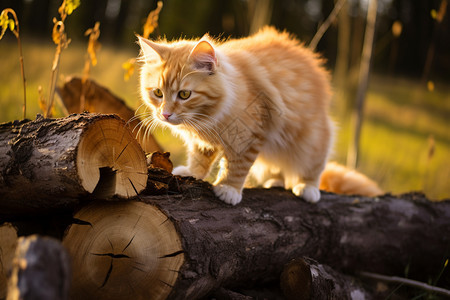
x: 296, y: 280
x: 126, y: 251
x: 110, y: 161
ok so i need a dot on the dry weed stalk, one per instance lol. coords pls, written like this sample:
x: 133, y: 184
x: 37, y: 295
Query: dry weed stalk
x: 13, y: 26
x: 91, y: 59
x: 60, y: 39
x: 149, y: 27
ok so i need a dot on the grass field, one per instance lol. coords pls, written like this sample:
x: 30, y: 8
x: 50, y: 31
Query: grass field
x: 402, y: 118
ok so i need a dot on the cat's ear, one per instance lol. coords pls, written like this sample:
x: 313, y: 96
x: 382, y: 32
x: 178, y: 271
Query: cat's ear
x: 152, y: 51
x: 203, y: 56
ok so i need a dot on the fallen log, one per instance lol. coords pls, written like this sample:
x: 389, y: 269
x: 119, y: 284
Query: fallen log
x: 40, y: 270
x: 197, y: 244
x: 53, y: 163
x: 98, y: 99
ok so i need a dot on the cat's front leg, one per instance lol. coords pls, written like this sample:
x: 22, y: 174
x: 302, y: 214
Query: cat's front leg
x: 199, y: 162
x: 234, y: 170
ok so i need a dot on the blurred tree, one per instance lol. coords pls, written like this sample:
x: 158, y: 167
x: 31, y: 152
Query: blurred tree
x: 353, y: 153
x: 342, y: 57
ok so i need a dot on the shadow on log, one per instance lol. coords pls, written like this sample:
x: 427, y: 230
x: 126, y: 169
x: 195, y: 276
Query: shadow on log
x: 219, y: 246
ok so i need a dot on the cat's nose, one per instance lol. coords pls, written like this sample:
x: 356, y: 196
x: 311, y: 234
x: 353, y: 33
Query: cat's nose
x: 166, y: 115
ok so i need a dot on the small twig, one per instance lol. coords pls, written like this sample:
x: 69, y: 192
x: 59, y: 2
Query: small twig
x: 409, y: 282
x: 324, y: 27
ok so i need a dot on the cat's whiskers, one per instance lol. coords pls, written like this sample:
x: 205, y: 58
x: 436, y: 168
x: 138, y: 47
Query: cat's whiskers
x: 141, y: 122
x: 148, y: 124
x: 201, y: 125
x: 209, y: 120
x: 138, y: 116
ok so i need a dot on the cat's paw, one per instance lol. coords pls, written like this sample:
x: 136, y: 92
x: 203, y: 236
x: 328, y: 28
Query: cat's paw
x: 273, y: 182
x: 182, y: 171
x: 309, y: 193
x: 227, y: 194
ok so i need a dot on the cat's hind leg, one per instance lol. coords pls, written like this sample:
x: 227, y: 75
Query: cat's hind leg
x: 265, y: 175
x: 305, y: 181
x: 309, y: 192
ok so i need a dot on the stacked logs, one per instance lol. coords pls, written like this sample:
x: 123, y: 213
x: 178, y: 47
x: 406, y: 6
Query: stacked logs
x: 138, y: 232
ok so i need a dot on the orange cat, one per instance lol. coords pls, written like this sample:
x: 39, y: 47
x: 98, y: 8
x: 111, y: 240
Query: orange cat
x: 261, y: 100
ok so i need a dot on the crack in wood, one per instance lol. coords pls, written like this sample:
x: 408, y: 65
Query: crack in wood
x: 129, y: 243
x: 112, y: 255
x: 139, y: 269
x: 80, y: 222
x: 162, y: 281
x: 167, y: 219
x: 121, y: 152
x: 108, y: 274
x: 172, y: 254
x: 134, y: 188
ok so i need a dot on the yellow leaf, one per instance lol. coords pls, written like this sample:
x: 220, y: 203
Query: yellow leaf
x: 11, y: 25
x: 4, y: 22
x: 68, y: 6
x: 430, y: 86
x: 397, y: 28
x: 128, y: 66
x: 56, y: 33
x: 152, y: 20
x: 433, y: 14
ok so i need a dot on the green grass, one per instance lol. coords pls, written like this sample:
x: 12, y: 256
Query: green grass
x: 400, y: 119
x: 400, y: 116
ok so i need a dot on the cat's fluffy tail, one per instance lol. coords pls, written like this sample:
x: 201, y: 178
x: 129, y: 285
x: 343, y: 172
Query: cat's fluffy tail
x: 339, y: 179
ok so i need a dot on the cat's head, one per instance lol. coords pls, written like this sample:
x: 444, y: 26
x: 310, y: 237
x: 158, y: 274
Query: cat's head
x: 182, y: 82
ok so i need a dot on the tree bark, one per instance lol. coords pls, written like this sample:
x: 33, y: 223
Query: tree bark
x: 49, y: 164
x: 221, y: 246
x: 100, y: 100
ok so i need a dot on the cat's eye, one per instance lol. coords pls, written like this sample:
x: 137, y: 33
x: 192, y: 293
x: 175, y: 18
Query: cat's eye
x: 158, y: 93
x: 184, y: 94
